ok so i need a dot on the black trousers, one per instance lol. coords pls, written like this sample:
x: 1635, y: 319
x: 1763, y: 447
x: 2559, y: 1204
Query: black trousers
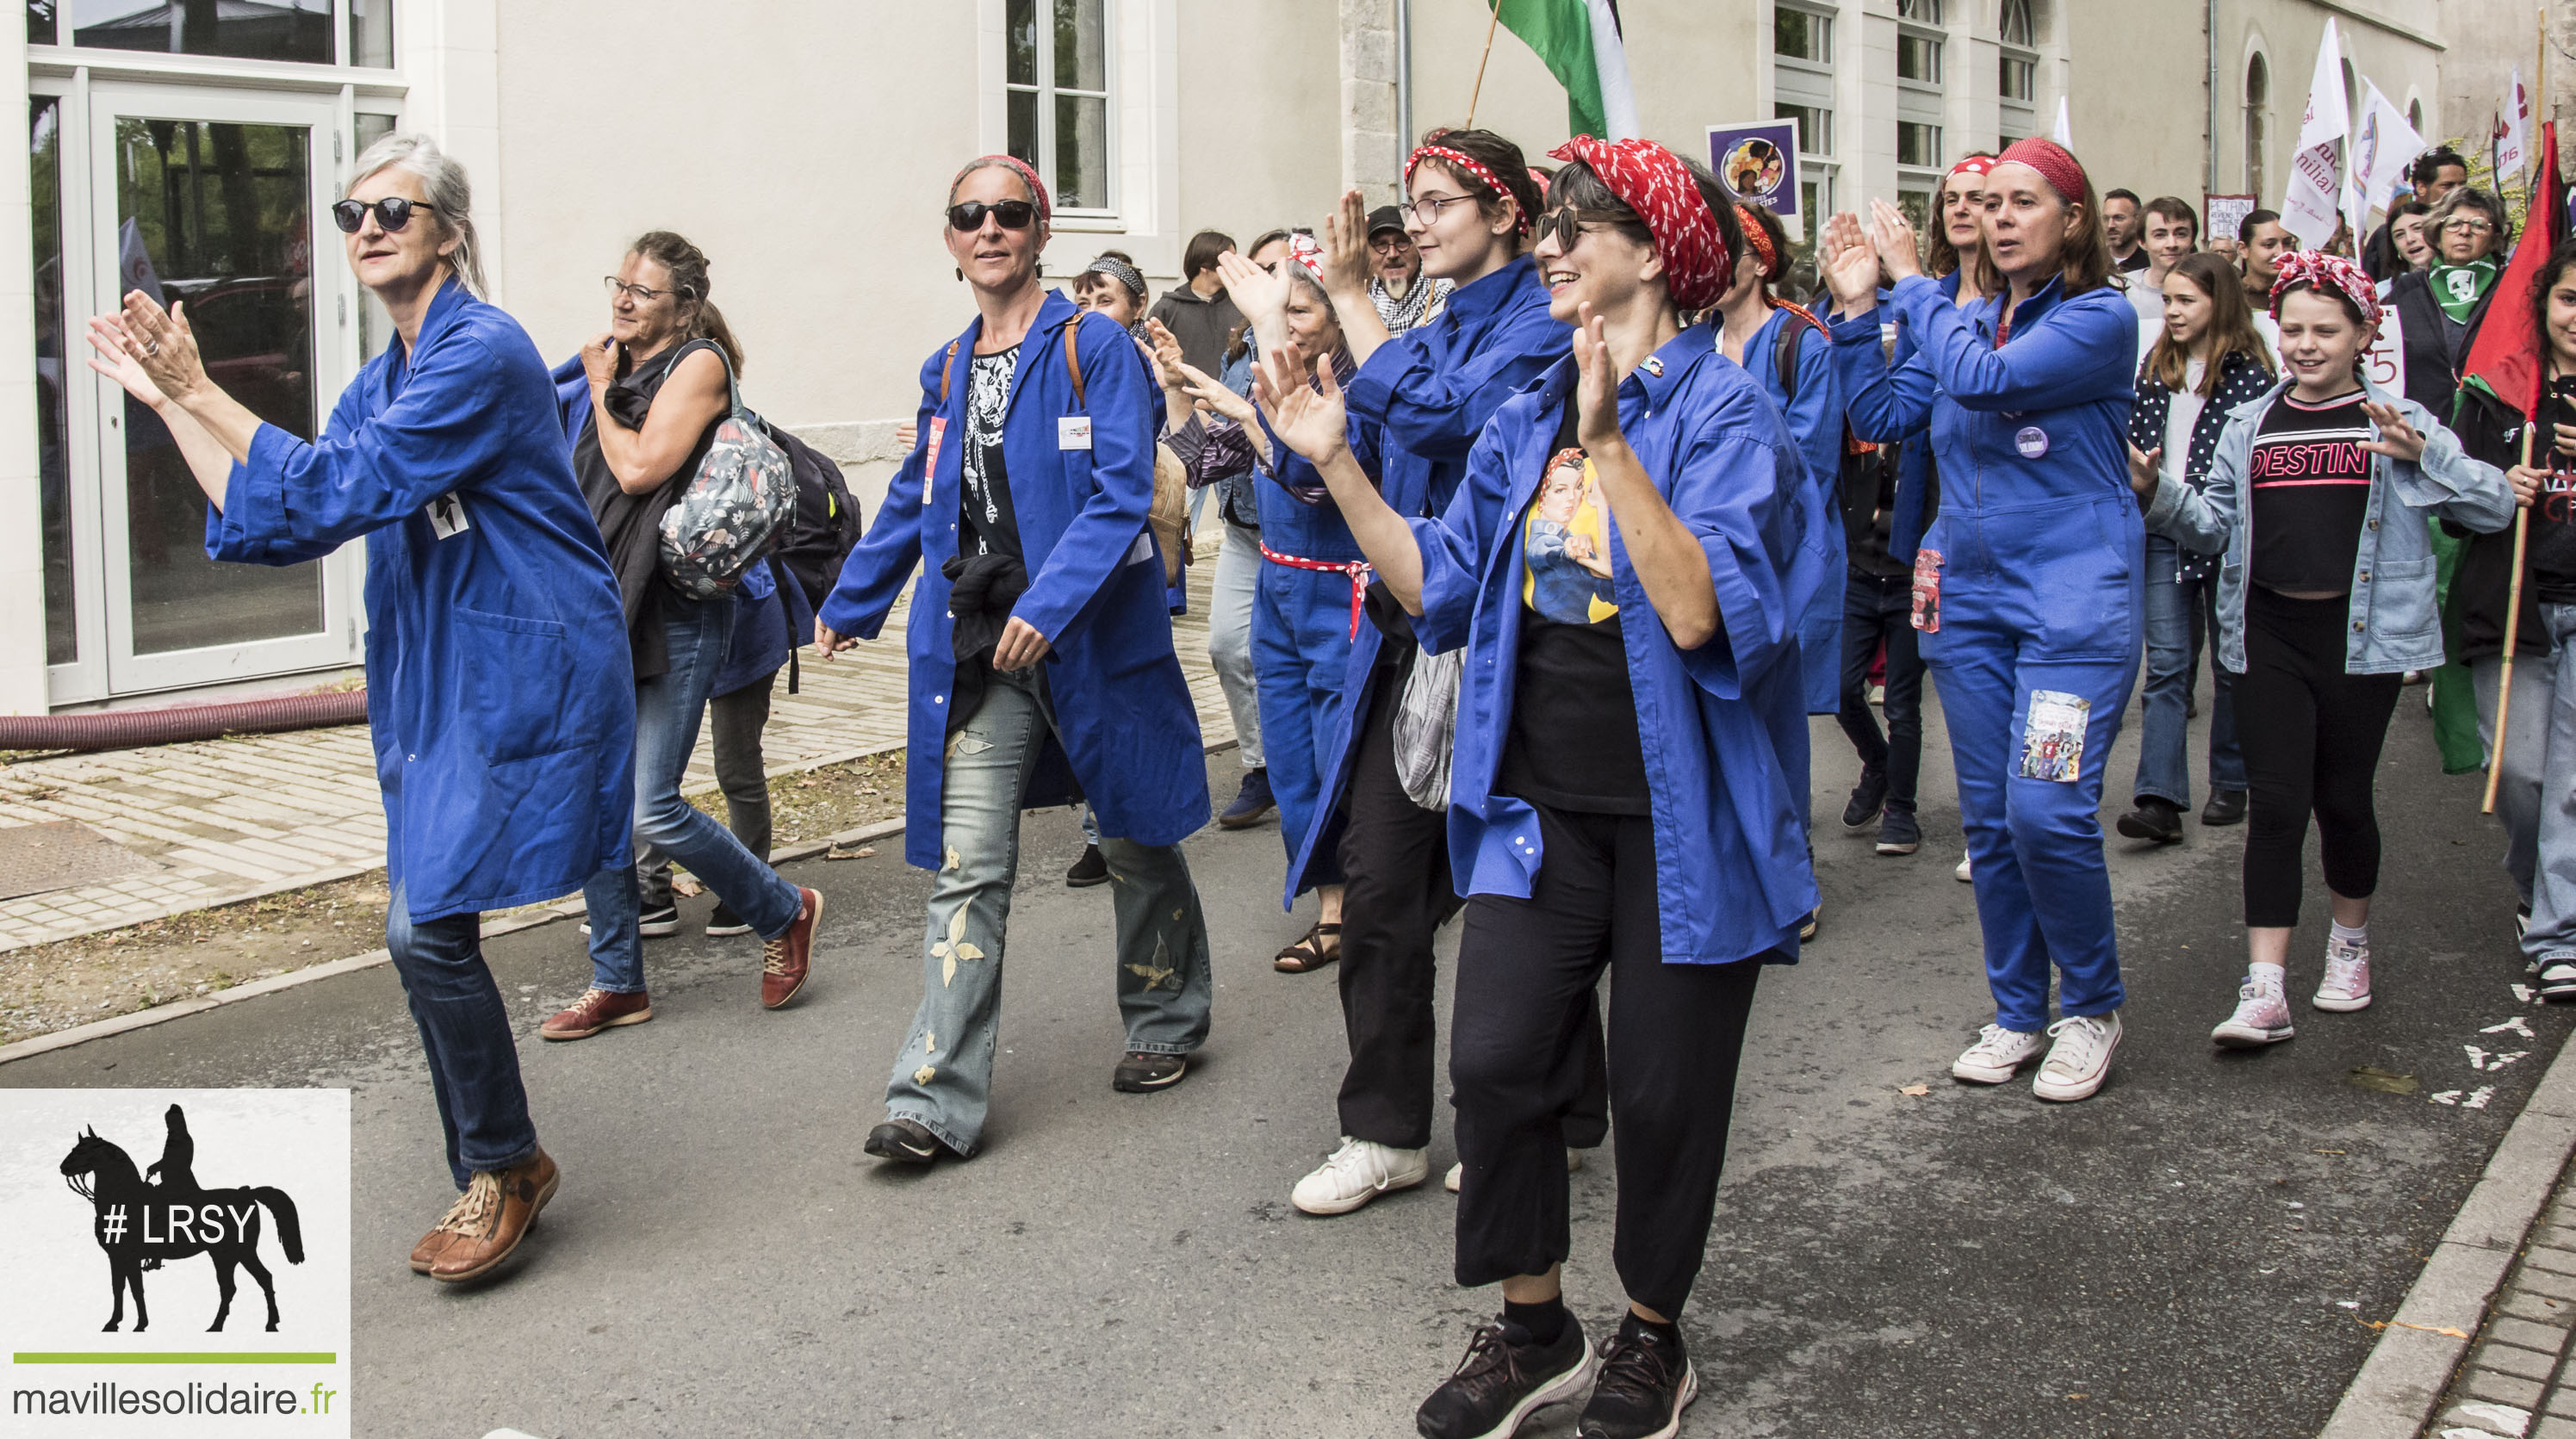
x: 2311, y: 735
x: 1396, y: 895
x: 1527, y: 969
x: 1877, y: 607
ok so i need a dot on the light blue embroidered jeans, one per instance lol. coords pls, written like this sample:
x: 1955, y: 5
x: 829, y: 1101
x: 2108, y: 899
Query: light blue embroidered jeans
x: 943, y: 1076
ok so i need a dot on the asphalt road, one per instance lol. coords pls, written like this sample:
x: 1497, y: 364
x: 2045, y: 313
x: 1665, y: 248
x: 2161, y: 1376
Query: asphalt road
x: 2193, y: 1252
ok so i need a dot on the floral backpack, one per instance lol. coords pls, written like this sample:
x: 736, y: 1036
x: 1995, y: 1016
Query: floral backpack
x: 741, y: 499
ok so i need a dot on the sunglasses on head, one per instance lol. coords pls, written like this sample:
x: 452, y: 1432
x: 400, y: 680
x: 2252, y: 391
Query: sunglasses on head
x: 392, y: 212
x: 1013, y: 214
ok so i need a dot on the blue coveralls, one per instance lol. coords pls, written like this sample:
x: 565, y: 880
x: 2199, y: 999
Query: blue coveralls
x: 2040, y: 554
x: 1428, y: 392
x: 1815, y: 416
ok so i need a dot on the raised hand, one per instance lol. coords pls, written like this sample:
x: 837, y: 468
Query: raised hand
x: 599, y: 361
x: 107, y: 335
x: 1198, y: 386
x: 1596, y: 385
x: 1344, y: 240
x: 164, y: 344
x: 1259, y: 294
x: 1308, y: 420
x: 1167, y: 348
x: 1849, y: 262
x: 1893, y: 235
x: 2397, y: 439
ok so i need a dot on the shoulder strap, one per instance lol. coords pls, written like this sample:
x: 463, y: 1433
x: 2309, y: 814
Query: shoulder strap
x: 1073, y: 362
x: 946, y: 365
x: 1801, y: 320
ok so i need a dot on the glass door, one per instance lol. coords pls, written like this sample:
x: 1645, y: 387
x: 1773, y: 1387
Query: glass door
x: 211, y: 201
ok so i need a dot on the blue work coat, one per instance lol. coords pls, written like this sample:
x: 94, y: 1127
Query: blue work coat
x: 1815, y: 416
x: 499, y: 686
x: 1429, y: 392
x: 1724, y: 725
x: 1130, y: 734
x: 1879, y: 412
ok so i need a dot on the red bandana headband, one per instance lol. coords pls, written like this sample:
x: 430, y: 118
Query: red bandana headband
x: 1570, y: 455
x: 1468, y: 165
x: 1756, y: 239
x: 1974, y: 165
x: 1037, y: 187
x: 2052, y: 162
x: 2319, y: 270
x: 1303, y: 249
x: 1654, y: 183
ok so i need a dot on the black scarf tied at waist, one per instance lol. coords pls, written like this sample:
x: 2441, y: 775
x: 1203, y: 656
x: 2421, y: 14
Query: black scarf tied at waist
x: 981, y: 591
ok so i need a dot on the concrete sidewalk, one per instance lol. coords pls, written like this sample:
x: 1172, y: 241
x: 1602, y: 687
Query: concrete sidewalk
x: 238, y: 818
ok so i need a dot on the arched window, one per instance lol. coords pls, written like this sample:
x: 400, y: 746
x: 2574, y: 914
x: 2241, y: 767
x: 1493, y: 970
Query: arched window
x: 2351, y: 90
x: 2017, y: 27
x: 2258, y: 94
x: 2415, y: 116
x: 2017, y: 86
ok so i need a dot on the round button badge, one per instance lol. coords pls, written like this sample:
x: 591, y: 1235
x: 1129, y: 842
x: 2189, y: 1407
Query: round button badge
x: 2032, y: 441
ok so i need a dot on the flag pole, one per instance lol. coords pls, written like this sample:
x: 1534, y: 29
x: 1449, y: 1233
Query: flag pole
x: 1490, y: 22
x: 2512, y: 620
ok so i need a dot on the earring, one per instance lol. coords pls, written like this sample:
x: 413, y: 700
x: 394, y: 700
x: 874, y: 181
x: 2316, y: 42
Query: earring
x: 961, y: 272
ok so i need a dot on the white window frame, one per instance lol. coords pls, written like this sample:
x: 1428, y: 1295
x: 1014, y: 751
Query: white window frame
x: 1046, y: 91
x: 2017, y: 117
x: 64, y: 52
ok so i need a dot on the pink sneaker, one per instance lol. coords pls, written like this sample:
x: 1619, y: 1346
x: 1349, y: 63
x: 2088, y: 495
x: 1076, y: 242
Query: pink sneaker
x: 2347, y: 982
x: 2262, y: 1017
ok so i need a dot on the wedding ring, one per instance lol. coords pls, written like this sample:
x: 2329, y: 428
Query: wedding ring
x: 152, y: 347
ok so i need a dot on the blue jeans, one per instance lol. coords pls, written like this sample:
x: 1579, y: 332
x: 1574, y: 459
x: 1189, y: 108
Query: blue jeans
x: 668, y: 709
x: 1301, y: 647
x: 2179, y: 613
x: 465, y: 1032
x: 2553, y: 891
x: 943, y: 1075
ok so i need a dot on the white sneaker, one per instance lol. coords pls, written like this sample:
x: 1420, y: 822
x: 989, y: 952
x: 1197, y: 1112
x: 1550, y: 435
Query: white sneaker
x: 2080, y: 1059
x: 1573, y: 1165
x: 1962, y: 871
x: 1998, y: 1054
x: 1358, y: 1172
x: 2262, y: 1016
x: 2347, y: 982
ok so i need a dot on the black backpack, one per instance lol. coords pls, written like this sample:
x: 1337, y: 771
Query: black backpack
x: 825, y: 527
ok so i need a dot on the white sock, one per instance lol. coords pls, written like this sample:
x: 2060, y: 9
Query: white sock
x: 2357, y: 938
x: 2276, y: 976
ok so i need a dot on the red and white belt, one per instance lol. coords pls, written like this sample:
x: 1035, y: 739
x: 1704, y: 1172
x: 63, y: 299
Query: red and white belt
x: 1358, y: 570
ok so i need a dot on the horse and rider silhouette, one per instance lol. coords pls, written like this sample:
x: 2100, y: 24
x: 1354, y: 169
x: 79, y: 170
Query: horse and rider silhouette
x: 141, y: 1221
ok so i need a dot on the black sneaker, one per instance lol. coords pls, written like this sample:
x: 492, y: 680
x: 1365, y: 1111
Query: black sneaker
x: 2557, y: 978
x: 1087, y: 871
x: 1505, y: 1378
x: 1646, y: 1381
x: 1868, y: 799
x: 725, y: 922
x: 1141, y: 1073
x: 653, y: 922
x: 1251, y: 802
x: 2226, y: 806
x: 905, y: 1142
x: 1898, y: 832
x: 2155, y: 819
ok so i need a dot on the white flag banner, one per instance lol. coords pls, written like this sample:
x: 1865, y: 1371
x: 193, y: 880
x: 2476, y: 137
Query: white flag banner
x: 2512, y: 151
x: 2064, y: 134
x: 2314, y: 201
x: 2383, y: 146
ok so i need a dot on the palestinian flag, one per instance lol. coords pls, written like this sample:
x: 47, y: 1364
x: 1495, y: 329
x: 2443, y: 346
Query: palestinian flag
x: 1579, y: 42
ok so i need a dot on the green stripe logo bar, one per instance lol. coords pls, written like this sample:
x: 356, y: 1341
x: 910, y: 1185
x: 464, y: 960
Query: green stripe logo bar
x: 44, y: 1357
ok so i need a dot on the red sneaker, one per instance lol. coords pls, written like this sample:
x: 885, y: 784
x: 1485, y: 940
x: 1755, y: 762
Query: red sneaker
x: 784, y: 961
x: 597, y: 1009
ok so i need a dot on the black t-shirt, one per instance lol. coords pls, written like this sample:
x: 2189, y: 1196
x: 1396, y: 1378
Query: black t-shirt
x: 1574, y: 743
x: 2309, y: 480
x: 984, y: 497
x: 2553, y: 515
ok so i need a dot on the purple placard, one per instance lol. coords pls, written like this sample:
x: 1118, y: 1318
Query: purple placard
x: 1757, y: 162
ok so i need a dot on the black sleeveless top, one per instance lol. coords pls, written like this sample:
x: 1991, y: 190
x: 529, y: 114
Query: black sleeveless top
x: 631, y: 525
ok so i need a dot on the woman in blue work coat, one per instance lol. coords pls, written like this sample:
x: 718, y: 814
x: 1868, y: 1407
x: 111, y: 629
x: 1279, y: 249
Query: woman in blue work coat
x: 2028, y: 588
x: 1042, y: 664
x: 497, y: 674
x: 1629, y: 772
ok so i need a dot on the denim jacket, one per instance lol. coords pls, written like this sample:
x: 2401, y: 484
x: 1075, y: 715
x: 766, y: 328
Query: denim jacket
x: 2395, y: 626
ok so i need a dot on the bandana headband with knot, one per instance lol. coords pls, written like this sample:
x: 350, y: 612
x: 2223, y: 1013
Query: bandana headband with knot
x: 1653, y: 182
x: 1757, y: 239
x: 1303, y: 249
x: 1468, y: 165
x: 2052, y: 162
x: 1037, y: 187
x: 2319, y: 270
x: 1119, y: 270
x: 1570, y: 455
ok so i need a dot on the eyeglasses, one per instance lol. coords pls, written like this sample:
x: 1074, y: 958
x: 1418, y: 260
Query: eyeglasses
x: 392, y: 212
x: 2470, y: 226
x: 638, y: 293
x: 1013, y: 214
x: 1566, y: 224
x: 1426, y: 211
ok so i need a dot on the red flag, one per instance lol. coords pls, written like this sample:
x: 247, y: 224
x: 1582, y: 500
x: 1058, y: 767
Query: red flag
x: 2505, y: 356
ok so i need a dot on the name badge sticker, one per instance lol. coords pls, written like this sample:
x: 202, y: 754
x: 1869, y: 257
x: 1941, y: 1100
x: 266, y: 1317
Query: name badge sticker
x: 930, y: 457
x: 1073, y: 432
x: 447, y: 517
x: 2032, y: 441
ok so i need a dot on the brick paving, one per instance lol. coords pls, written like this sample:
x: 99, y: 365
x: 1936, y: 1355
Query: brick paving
x: 2519, y: 1381
x: 236, y: 818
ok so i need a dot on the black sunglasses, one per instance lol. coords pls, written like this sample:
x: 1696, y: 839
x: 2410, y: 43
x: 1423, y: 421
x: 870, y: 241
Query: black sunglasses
x: 392, y: 212
x: 1014, y: 214
x: 1566, y: 223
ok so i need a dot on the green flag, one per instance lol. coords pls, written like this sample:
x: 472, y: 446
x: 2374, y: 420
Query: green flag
x: 1579, y: 42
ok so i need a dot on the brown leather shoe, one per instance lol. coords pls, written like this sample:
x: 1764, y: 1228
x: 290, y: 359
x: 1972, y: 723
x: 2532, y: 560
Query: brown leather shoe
x: 431, y: 1245
x: 492, y: 1216
x: 597, y: 1009
x: 785, y: 960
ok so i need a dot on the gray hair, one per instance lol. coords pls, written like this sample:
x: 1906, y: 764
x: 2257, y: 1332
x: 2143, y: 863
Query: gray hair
x: 442, y: 184
x: 2469, y: 198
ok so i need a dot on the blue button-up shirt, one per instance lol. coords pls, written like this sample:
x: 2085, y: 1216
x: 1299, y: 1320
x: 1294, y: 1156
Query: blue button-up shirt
x: 1724, y: 725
